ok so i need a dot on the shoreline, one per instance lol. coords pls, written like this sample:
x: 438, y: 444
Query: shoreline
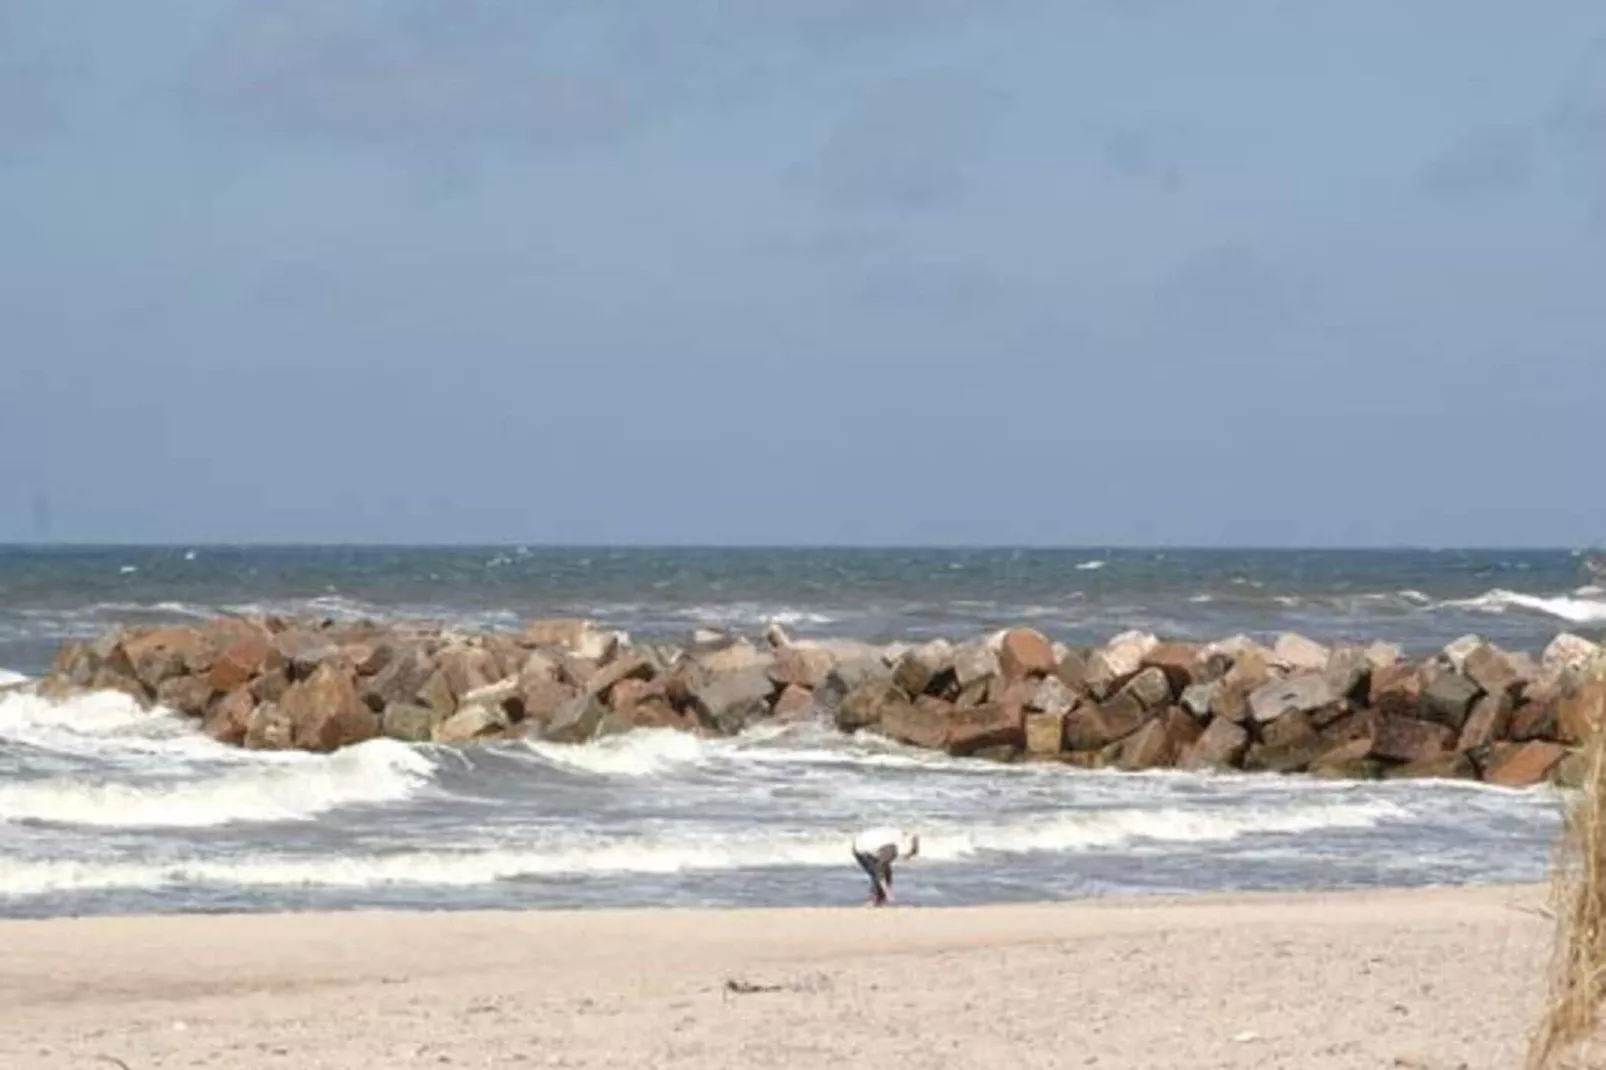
x: 1318, y: 979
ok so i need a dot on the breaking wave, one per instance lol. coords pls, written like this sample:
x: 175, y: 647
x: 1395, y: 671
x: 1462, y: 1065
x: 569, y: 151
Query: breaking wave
x: 1577, y: 608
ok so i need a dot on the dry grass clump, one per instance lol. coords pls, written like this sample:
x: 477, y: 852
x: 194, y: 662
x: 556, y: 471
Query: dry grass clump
x: 1566, y: 1036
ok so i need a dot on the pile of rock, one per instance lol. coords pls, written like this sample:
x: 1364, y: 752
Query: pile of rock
x: 1135, y: 703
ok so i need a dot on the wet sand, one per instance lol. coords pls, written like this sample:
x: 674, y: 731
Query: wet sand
x: 1422, y: 979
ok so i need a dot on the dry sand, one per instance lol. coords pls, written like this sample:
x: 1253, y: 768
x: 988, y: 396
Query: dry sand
x: 1427, y: 979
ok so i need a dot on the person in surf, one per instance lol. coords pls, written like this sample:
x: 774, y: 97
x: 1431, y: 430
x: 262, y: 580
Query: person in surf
x: 875, y: 850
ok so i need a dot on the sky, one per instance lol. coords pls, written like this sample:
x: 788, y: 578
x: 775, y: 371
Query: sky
x: 1040, y: 272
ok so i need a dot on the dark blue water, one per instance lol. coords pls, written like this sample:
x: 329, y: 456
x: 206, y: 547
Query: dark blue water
x: 1418, y: 598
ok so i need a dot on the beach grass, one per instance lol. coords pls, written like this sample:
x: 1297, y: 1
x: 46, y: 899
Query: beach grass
x: 1567, y: 1033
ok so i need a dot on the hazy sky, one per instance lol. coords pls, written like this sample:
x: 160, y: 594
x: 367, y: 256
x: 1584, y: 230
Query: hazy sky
x: 847, y: 271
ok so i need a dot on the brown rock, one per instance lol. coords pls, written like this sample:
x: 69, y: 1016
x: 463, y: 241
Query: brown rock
x: 1231, y: 701
x: 1533, y: 721
x: 542, y: 699
x: 189, y: 695
x: 1397, y: 690
x: 1348, y: 760
x: 1160, y: 742
x: 437, y: 694
x: 630, y: 666
x: 1521, y: 765
x: 795, y: 703
x: 1292, y: 728
x: 1095, y: 727
x: 241, y: 656
x: 1408, y: 739
x: 1179, y: 662
x: 1045, y: 733
x: 1151, y: 688
x: 1302, y: 693
x: 1489, y: 722
x: 72, y: 657
x: 1579, y: 715
x: 326, y: 713
x: 923, y: 724
x: 1349, y: 673
x: 864, y: 705
x: 631, y: 692
x: 270, y: 686
x: 577, y: 720
x: 230, y: 719
x: 1221, y: 746
x: 796, y: 666
x: 1299, y: 654
x: 727, y: 701
x: 1026, y: 652
x: 158, y: 654
x: 467, y: 668
x: 1492, y: 671
x: 1110, y: 667
x: 974, y: 663
x: 1072, y: 671
x: 401, y: 681
x: 992, y: 725
x: 469, y: 723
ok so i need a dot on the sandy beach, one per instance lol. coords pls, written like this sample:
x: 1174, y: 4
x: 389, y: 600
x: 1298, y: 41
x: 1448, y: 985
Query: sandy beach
x: 1425, y: 979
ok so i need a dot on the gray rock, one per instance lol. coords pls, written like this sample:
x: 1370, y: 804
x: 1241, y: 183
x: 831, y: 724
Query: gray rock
x: 1303, y: 693
x: 1299, y: 654
x: 408, y: 723
x: 848, y: 676
x: 469, y: 723
x: 1052, y: 696
x: 973, y: 662
x: 1196, y: 699
x: 1151, y: 688
x: 1349, y: 671
x: 727, y: 701
x: 1448, y: 698
x: 577, y: 720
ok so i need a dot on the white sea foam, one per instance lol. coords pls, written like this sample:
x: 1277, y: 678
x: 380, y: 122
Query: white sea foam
x: 11, y: 679
x: 641, y: 753
x: 379, y: 771
x: 574, y: 856
x: 1574, y: 609
x: 1090, y: 566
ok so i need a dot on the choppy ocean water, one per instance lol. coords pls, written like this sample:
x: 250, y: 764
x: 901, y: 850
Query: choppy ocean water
x: 106, y: 808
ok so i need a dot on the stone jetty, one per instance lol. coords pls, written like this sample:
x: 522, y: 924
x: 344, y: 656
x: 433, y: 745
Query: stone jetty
x: 1289, y: 705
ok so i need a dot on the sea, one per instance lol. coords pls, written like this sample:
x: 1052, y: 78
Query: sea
x: 106, y: 808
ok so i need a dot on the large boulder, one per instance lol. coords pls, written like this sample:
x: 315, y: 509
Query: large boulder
x: 1221, y: 746
x: 1052, y: 696
x: 471, y: 722
x: 188, y: 695
x: 1397, y: 690
x: 1489, y: 722
x: 1111, y: 666
x: 1072, y: 669
x: 242, y: 655
x: 399, y: 682
x: 408, y: 723
x: 1045, y: 733
x: 1198, y: 698
x: 1569, y: 652
x: 1231, y: 700
x: 269, y: 728
x: 920, y: 670
x: 1093, y: 727
x: 800, y: 666
x: 1159, y: 742
x: 984, y: 728
x: 919, y: 724
x: 467, y: 669
x: 326, y: 713
x: 1178, y: 661
x: 1150, y: 687
x: 1305, y: 693
x: 1533, y: 721
x: 849, y: 675
x: 1349, y: 672
x: 230, y: 718
x: 1457, y: 651
x: 1521, y: 765
x: 576, y: 721
x: 1298, y: 654
x: 1408, y: 739
x: 1493, y: 672
x: 866, y: 705
x: 739, y: 656
x: 1448, y: 698
x: 795, y: 703
x: 974, y: 663
x: 1024, y: 652
x: 1579, y: 714
x: 727, y: 701
x: 158, y: 654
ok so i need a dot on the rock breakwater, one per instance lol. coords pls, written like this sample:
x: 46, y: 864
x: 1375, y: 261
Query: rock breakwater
x: 1137, y: 702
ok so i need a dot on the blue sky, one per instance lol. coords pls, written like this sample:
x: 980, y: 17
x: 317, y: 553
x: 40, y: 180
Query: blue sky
x: 800, y: 271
